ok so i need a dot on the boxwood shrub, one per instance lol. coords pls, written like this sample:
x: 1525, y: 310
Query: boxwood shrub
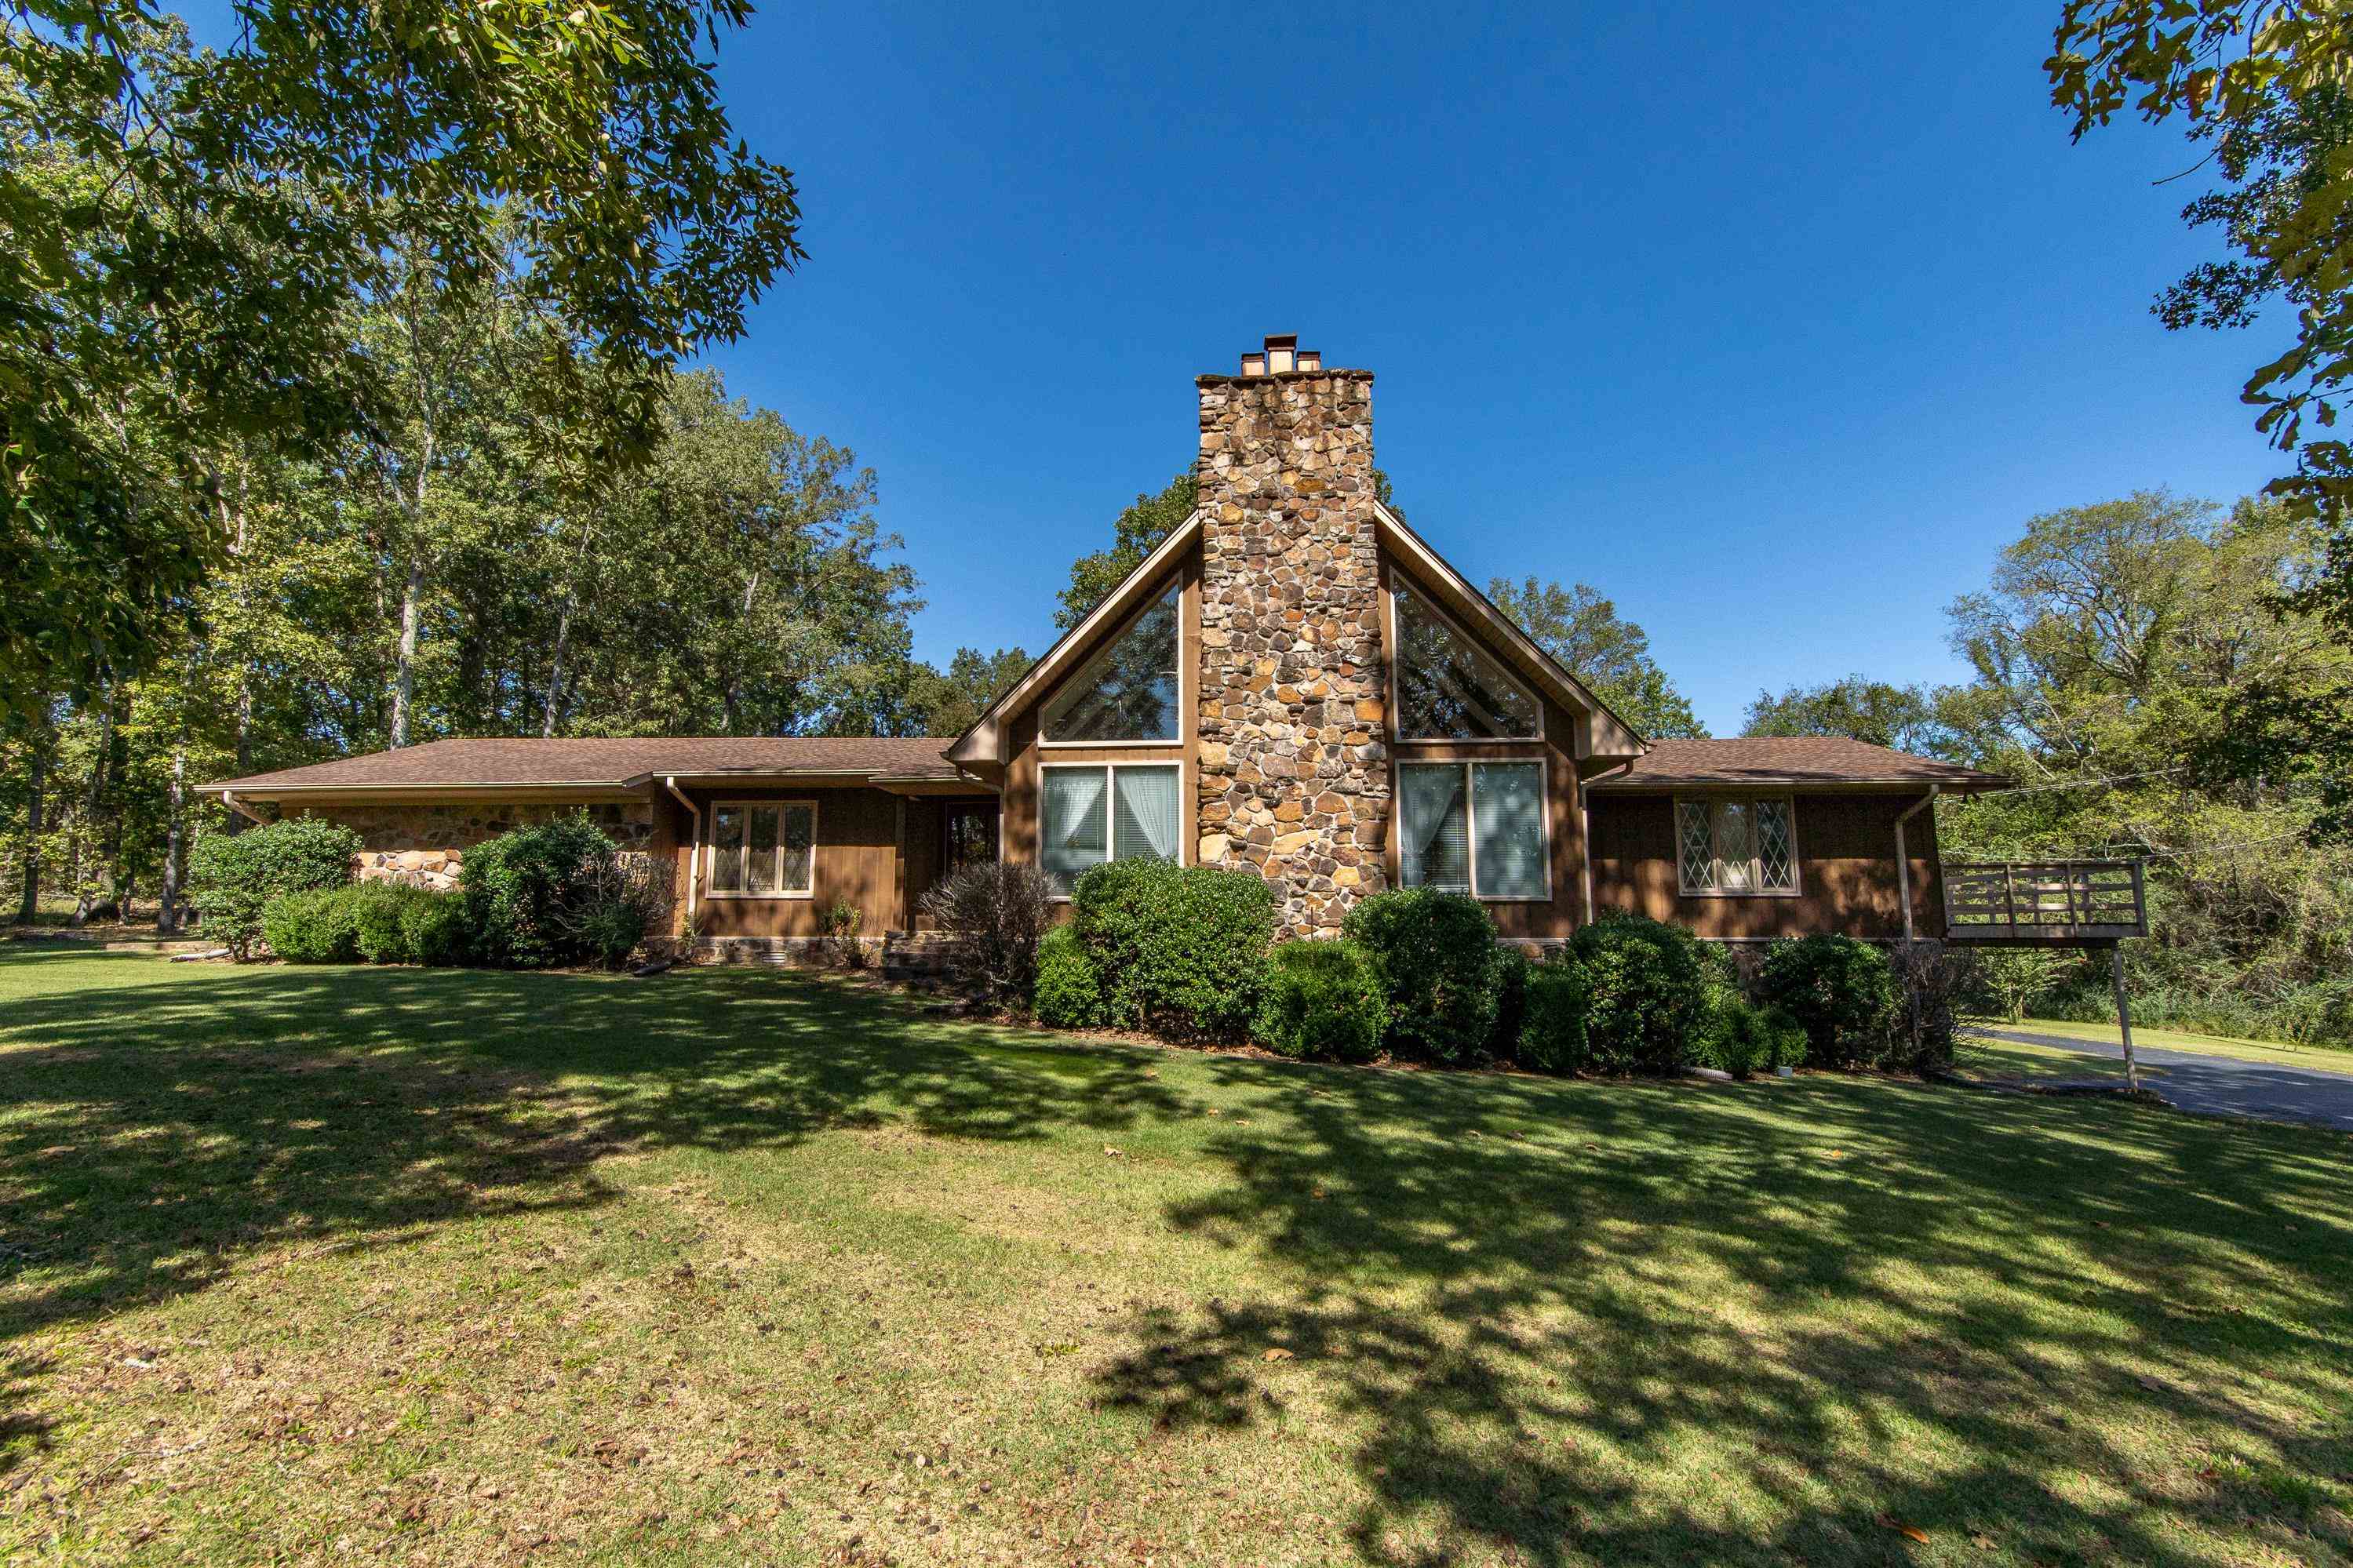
x: 1552, y: 1032
x: 317, y: 926
x: 1180, y: 949
x: 1068, y: 993
x: 380, y: 909
x: 1440, y: 968
x: 1324, y: 1000
x: 1745, y: 1039
x: 530, y: 894
x: 232, y: 877
x: 1840, y: 991
x: 1650, y: 984
x: 435, y: 930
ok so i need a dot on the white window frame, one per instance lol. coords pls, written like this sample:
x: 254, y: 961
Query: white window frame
x: 1399, y: 585
x: 711, y: 848
x: 1470, y: 819
x: 1712, y: 800
x: 1110, y: 787
x: 1184, y: 679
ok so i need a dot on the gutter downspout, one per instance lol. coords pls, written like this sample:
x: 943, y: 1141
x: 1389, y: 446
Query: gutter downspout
x: 1904, y: 861
x: 693, y: 842
x: 1584, y: 826
x: 228, y: 799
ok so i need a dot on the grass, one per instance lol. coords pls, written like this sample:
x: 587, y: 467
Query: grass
x: 1978, y: 1058
x: 2325, y: 1058
x: 442, y: 1268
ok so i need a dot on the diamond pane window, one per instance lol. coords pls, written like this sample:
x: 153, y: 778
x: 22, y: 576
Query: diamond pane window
x: 1130, y: 690
x: 1735, y: 843
x: 1449, y: 688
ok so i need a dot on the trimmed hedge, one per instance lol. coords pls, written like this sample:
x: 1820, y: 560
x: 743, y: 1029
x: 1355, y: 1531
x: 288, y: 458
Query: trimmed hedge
x: 1067, y: 995
x: 320, y: 925
x: 1440, y: 970
x: 232, y: 877
x: 1552, y: 1032
x: 435, y: 930
x: 1322, y: 1000
x: 1840, y: 991
x: 381, y: 910
x: 1745, y: 1039
x: 1180, y: 949
x: 1650, y: 984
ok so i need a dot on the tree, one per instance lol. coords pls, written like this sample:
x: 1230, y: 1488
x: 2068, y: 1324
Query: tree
x: 1902, y: 717
x: 1136, y: 532
x: 949, y: 702
x: 1608, y: 653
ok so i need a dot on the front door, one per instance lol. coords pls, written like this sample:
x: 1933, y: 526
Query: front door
x: 971, y: 835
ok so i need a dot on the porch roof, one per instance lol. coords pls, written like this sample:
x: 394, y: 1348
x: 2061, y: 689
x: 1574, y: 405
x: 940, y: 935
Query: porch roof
x: 1829, y: 760
x: 617, y: 763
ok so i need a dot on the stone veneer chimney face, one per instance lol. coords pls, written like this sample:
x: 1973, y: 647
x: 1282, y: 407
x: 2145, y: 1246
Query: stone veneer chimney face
x: 1293, y: 772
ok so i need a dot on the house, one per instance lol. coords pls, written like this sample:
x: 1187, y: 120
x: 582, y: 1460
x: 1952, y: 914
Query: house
x: 1293, y: 682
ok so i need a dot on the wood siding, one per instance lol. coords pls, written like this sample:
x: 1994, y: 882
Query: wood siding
x: 1846, y: 869
x: 856, y: 859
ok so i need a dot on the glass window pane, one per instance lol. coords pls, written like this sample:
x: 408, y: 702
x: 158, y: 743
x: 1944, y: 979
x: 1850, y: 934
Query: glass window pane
x: 1776, y: 859
x: 760, y: 863
x: 727, y: 849
x: 1144, y: 813
x: 800, y: 843
x: 1433, y: 837
x: 1507, y: 803
x: 1129, y: 692
x: 1070, y: 822
x: 1735, y: 846
x: 1451, y: 691
x: 1695, y: 840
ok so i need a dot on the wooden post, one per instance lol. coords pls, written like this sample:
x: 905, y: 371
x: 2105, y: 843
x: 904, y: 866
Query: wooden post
x: 2123, y: 1014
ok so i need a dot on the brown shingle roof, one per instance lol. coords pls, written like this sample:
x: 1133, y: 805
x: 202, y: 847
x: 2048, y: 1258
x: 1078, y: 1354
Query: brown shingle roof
x: 1790, y: 759
x: 611, y: 762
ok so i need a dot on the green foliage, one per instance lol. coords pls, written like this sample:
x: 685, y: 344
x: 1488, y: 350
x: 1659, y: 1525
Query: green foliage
x: 321, y: 926
x: 1901, y: 717
x: 1324, y: 1001
x: 1181, y: 949
x: 1651, y: 985
x: 1440, y: 970
x: 1511, y: 1001
x: 1608, y: 653
x: 232, y: 877
x: 532, y: 893
x: 1069, y: 994
x: 381, y: 913
x: 1840, y: 991
x: 436, y: 931
x: 1552, y: 1035
x: 839, y: 923
x: 1137, y: 531
x: 950, y: 702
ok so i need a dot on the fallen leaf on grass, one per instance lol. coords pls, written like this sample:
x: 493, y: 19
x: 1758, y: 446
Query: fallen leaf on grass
x: 1277, y: 1353
x: 1112, y: 1153
x: 1908, y: 1531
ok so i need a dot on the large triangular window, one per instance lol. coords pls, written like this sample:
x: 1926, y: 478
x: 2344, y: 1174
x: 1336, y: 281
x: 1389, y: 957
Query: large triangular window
x: 1449, y: 688
x: 1130, y: 691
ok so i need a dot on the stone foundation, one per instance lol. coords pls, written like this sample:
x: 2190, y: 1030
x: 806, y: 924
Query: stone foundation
x: 425, y: 845
x: 1293, y: 776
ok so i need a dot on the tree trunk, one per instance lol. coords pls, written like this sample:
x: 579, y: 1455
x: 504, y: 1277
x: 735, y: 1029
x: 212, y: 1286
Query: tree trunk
x: 404, y: 682
x: 556, y: 674
x: 89, y: 812
x: 167, y: 907
x: 30, y: 904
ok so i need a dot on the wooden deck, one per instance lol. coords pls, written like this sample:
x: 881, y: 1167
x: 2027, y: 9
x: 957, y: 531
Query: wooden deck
x: 2044, y: 903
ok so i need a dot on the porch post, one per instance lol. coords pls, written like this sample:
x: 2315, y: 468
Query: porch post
x: 2123, y: 1014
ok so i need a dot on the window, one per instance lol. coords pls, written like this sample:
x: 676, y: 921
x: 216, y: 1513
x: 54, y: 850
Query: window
x: 1735, y: 843
x: 763, y: 849
x: 1129, y: 692
x: 1448, y: 690
x: 1474, y: 828
x: 1093, y: 813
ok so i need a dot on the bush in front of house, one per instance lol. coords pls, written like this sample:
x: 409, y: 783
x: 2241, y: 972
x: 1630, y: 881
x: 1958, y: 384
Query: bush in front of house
x: 1841, y: 991
x: 319, y: 925
x: 558, y: 892
x: 435, y: 928
x: 1321, y: 1001
x: 1932, y: 983
x: 1440, y: 970
x: 1746, y: 1040
x: 1512, y: 970
x: 994, y: 915
x: 380, y: 911
x: 1551, y: 1037
x: 1068, y: 994
x: 1180, y: 949
x: 232, y: 877
x: 1650, y: 984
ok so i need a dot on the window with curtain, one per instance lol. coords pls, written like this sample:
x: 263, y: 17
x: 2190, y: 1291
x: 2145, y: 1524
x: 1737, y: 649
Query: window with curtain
x: 1735, y: 843
x: 1130, y: 691
x: 1117, y: 811
x: 1473, y: 827
x: 763, y: 848
x: 1450, y: 690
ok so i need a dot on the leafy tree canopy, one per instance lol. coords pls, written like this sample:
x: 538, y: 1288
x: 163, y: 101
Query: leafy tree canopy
x: 1902, y: 717
x: 949, y: 702
x: 1608, y: 653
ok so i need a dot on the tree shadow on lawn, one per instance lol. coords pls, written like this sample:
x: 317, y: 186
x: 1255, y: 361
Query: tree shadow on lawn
x: 1861, y: 1306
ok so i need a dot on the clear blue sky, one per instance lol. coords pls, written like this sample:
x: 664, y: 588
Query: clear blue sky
x: 1772, y: 327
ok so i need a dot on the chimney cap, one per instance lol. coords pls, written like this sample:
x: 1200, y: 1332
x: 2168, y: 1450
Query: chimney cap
x: 1283, y: 356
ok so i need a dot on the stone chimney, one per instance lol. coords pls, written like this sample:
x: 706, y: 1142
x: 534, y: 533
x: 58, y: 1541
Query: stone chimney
x: 1293, y: 757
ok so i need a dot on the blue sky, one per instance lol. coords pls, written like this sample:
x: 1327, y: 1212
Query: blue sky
x: 1772, y: 322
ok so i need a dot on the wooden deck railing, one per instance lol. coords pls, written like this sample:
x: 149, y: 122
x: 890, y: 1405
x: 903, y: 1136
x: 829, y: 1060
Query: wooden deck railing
x: 2058, y: 903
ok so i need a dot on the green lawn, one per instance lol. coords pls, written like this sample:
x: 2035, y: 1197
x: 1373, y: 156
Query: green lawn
x: 447, y: 1268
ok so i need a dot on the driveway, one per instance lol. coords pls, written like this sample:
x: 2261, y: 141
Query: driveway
x: 2223, y: 1085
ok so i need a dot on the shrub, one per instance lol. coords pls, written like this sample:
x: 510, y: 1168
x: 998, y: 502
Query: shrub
x: 1181, y: 949
x: 841, y: 921
x: 435, y: 930
x: 533, y: 894
x: 609, y: 931
x: 1745, y: 1039
x: 1511, y: 1003
x: 1932, y: 982
x: 1552, y: 1033
x: 1650, y: 984
x: 1322, y: 1000
x: 994, y: 915
x: 318, y: 926
x: 1440, y: 968
x: 1841, y: 991
x: 1067, y: 995
x: 379, y: 910
x: 233, y: 877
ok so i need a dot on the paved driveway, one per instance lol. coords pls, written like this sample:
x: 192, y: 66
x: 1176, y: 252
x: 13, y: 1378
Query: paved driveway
x: 2223, y: 1086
